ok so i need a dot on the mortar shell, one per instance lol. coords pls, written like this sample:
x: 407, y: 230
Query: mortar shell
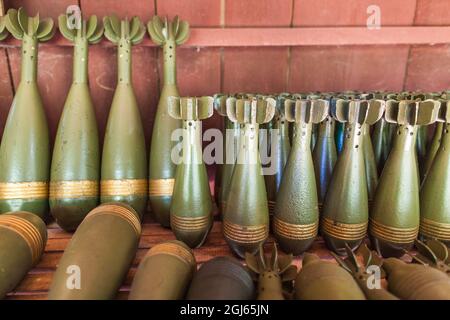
x: 323, y: 280
x: 222, y: 278
x: 164, y: 273
x: 23, y: 236
x: 98, y: 257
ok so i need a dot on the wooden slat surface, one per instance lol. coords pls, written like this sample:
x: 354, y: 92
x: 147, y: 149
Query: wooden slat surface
x: 37, y: 283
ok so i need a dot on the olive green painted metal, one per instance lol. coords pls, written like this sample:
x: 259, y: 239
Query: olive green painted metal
x: 369, y: 163
x: 191, y: 211
x: 432, y: 149
x: 361, y: 273
x: 222, y: 278
x: 433, y: 253
x: 75, y: 166
x: 395, y: 213
x: 421, y: 146
x: 124, y: 161
x: 164, y: 273
x: 296, y: 219
x: 231, y: 136
x: 246, y: 218
x: 24, y: 150
x: 3, y: 30
x: 416, y: 282
x: 324, y: 280
x: 382, y: 142
x: 345, y: 213
x: 23, y: 236
x: 98, y: 256
x: 168, y: 35
x: 278, y: 142
x: 270, y: 273
x: 435, y: 191
x: 324, y: 157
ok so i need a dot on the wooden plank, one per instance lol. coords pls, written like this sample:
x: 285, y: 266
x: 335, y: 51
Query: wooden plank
x: 314, y: 36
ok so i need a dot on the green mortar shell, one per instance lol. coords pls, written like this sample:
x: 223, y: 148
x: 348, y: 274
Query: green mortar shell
x: 103, y: 248
x: 370, y: 164
x: 416, y: 282
x: 435, y: 193
x: 24, y: 150
x: 346, y: 200
x: 164, y: 273
x: 15, y: 253
x: 247, y: 197
x: 432, y: 150
x: 297, y: 201
x: 232, y: 139
x: 323, y: 280
x: 191, y: 200
x: 421, y: 145
x: 167, y: 34
x: 279, y: 153
x: 396, y: 201
x: 218, y: 183
x: 124, y: 151
x: 221, y: 278
x: 381, y: 142
x: 76, y: 154
x: 324, y: 157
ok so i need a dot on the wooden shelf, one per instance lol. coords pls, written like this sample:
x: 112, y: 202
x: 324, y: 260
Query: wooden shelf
x: 37, y: 283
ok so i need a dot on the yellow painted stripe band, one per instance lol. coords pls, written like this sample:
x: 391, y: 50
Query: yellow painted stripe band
x: 295, y: 231
x: 344, y: 231
x: 73, y: 189
x: 245, y: 234
x: 125, y: 187
x: 120, y: 211
x: 393, y: 234
x: 161, y: 187
x: 175, y: 250
x: 23, y: 190
x: 190, y: 223
x: 434, y: 229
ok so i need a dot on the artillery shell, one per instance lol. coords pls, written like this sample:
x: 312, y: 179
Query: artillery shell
x: 23, y: 236
x: 222, y: 278
x: 99, y: 254
x: 164, y: 273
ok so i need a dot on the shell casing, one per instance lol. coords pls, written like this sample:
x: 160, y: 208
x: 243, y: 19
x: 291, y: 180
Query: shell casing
x: 71, y: 201
x: 164, y: 273
x: 131, y: 191
x: 226, y: 273
x: 435, y: 230
x: 23, y: 237
x: 416, y: 282
x: 244, y: 239
x: 294, y: 238
x: 337, y: 234
x: 323, y: 280
x: 99, y: 254
x: 191, y: 230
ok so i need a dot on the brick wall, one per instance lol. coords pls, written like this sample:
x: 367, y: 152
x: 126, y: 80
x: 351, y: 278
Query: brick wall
x: 267, y: 69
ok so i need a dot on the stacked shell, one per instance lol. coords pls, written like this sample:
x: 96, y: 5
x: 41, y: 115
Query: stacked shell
x: 345, y: 213
x: 296, y: 219
x: 24, y: 150
x: 191, y: 208
x: 246, y: 218
x: 168, y: 35
x: 395, y: 214
x: 75, y: 168
x: 124, y: 163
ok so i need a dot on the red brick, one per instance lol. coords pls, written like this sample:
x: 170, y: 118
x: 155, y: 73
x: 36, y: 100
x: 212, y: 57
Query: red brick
x: 6, y: 93
x: 347, y: 68
x: 199, y: 13
x: 433, y: 12
x: 351, y: 12
x: 54, y: 79
x: 257, y: 13
x: 260, y: 70
x: 144, y: 9
x: 428, y: 68
x: 46, y: 8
